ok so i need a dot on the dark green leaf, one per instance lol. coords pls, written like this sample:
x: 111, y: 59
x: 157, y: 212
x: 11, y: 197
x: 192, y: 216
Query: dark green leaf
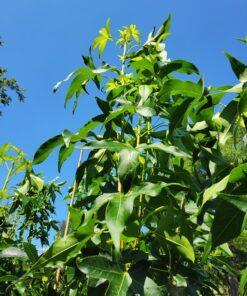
x: 64, y: 154
x: 238, y: 67
x: 31, y: 252
x: 46, y: 149
x: 228, y: 223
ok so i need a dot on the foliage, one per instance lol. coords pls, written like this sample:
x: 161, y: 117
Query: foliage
x: 7, y: 84
x: 26, y: 212
x: 158, y: 197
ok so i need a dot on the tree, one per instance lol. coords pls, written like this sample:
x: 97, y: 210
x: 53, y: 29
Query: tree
x: 156, y: 200
x: 7, y: 85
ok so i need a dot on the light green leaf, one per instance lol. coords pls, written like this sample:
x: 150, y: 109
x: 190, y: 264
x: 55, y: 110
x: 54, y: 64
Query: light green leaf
x: 243, y: 282
x: 103, y: 38
x: 182, y: 244
x: 165, y: 148
x: 145, y: 111
x: 239, y: 173
x: 99, y: 267
x: 128, y: 162
x: 38, y: 182
x: 144, y: 92
x: 212, y: 191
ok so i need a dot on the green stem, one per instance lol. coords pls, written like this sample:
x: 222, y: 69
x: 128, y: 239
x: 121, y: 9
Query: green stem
x: 7, y: 179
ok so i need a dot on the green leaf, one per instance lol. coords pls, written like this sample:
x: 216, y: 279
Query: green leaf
x: 144, y: 92
x: 244, y: 39
x: 64, y: 154
x: 239, y: 173
x: 181, y: 66
x: 88, y: 127
x: 103, y: 38
x: 99, y: 267
x: 76, y: 216
x: 110, y: 145
x: 178, y: 87
x: 38, y: 182
x: 58, y: 84
x: 240, y: 201
x: 31, y: 252
x: 242, y: 105
x: 182, y: 244
x: 46, y: 149
x: 145, y: 111
x: 163, y: 31
x: 228, y: 223
x: 151, y: 189
x: 67, y: 136
x: 119, y: 111
x: 141, y: 64
x: 64, y: 248
x: 76, y: 85
x: 179, y: 280
x: 165, y: 148
x: 103, y: 105
x: 117, y: 212
x: 8, y: 278
x: 243, y: 282
x: 128, y: 162
x: 98, y: 203
x: 212, y: 191
x: 238, y: 68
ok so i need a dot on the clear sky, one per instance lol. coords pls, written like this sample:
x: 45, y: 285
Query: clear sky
x: 44, y: 40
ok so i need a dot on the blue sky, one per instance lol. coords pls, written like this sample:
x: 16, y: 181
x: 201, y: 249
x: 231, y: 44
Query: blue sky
x: 44, y: 40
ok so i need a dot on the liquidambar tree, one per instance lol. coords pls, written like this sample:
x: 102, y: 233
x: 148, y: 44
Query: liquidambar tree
x: 156, y: 198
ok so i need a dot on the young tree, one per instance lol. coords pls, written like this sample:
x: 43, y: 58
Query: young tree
x: 155, y: 202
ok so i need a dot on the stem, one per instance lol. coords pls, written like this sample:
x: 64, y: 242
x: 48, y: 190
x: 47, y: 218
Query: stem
x: 66, y: 229
x: 7, y: 179
x: 123, y: 58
